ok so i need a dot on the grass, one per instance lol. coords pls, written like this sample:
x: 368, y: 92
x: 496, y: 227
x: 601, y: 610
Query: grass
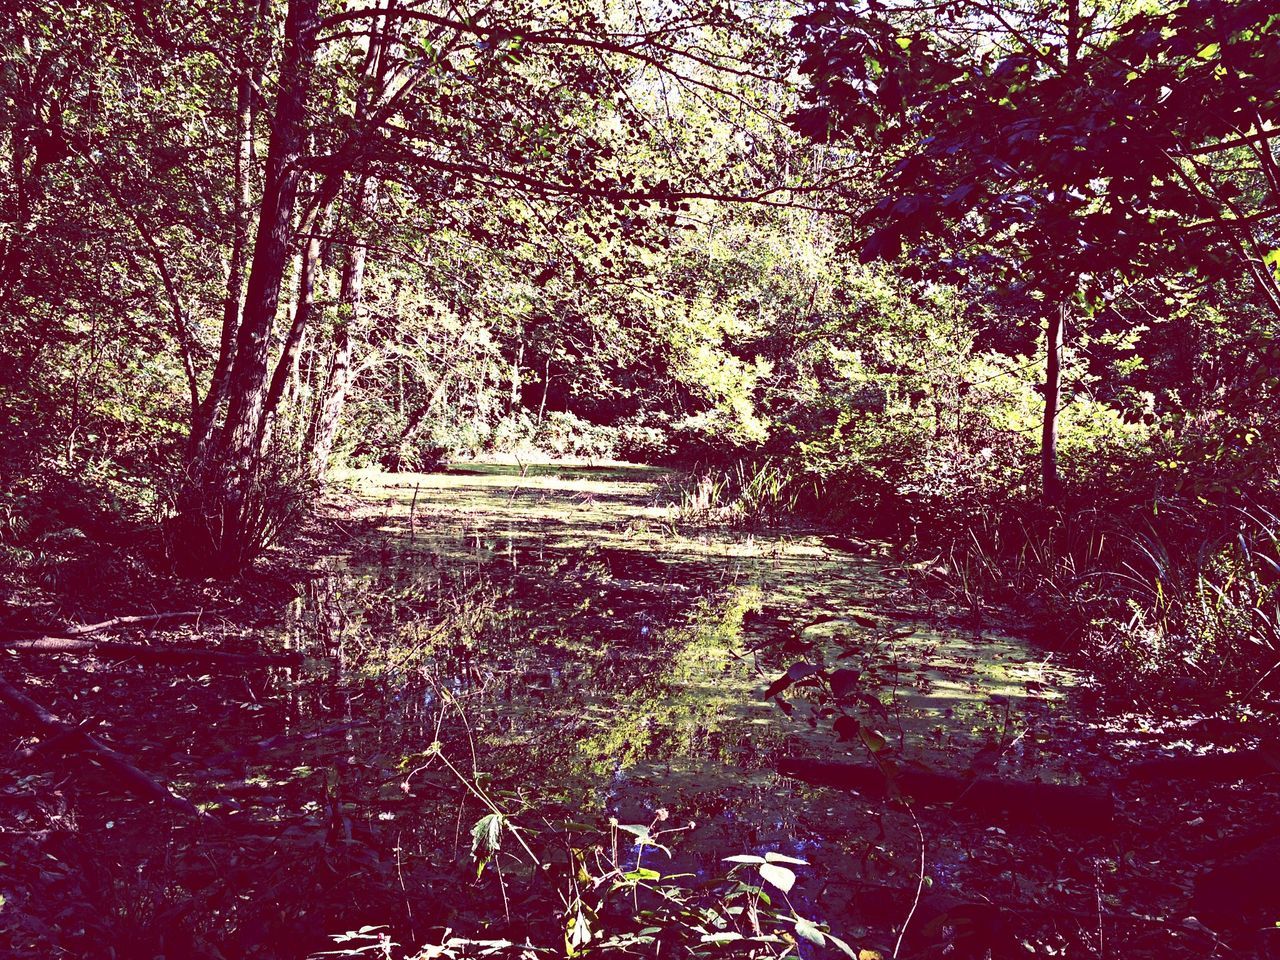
x: 1177, y: 593
x: 749, y: 494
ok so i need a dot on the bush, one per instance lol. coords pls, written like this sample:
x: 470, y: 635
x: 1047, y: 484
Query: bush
x: 563, y: 434
x: 221, y: 524
x: 640, y: 441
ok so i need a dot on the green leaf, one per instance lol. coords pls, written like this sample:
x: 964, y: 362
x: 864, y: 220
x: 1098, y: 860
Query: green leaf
x: 810, y: 932
x: 842, y: 946
x: 641, y: 874
x: 744, y: 858
x: 486, y: 839
x: 801, y: 671
x: 726, y: 936
x: 780, y: 858
x: 845, y: 681
x: 777, y: 687
x: 846, y: 727
x: 873, y: 739
x: 780, y: 877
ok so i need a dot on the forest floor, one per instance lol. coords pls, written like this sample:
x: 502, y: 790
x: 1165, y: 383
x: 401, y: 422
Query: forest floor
x: 554, y: 643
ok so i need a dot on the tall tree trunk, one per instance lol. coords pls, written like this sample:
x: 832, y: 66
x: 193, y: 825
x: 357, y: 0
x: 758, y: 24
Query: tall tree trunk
x: 224, y: 515
x: 247, y: 386
x: 249, y: 67
x: 546, y: 385
x: 318, y: 445
x: 286, y: 366
x: 333, y: 398
x: 517, y: 382
x: 1051, y: 486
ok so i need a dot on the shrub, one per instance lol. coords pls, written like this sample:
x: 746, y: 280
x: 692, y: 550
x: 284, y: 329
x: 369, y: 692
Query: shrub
x: 221, y: 524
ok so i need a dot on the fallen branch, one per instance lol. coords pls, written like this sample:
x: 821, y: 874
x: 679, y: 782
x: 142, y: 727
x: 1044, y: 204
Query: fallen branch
x: 84, y: 629
x: 68, y: 736
x: 1054, y: 803
x: 111, y: 649
x: 1218, y: 767
x: 55, y: 743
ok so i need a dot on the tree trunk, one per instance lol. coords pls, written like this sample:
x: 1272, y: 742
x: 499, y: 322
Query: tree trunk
x: 248, y: 385
x: 249, y: 66
x: 318, y: 445
x: 286, y: 366
x: 1051, y: 484
x: 546, y: 385
x: 333, y: 398
x: 517, y: 382
x: 225, y: 514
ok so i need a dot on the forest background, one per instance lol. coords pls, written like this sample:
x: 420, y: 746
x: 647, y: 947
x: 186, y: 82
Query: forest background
x: 996, y: 281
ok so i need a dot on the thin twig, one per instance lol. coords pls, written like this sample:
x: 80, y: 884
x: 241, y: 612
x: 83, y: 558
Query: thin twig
x: 897, y: 947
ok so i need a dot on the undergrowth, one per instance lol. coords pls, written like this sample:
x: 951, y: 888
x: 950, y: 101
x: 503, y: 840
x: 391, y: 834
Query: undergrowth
x: 1180, y: 592
x: 1184, y: 596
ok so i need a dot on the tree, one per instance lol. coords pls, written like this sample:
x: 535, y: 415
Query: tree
x: 1064, y: 150
x: 559, y: 108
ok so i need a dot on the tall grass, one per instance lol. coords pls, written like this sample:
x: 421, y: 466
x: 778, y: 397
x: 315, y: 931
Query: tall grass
x: 747, y: 494
x: 1174, y: 592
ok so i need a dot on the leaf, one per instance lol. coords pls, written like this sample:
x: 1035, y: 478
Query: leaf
x: 780, y: 877
x: 777, y: 687
x: 847, y: 727
x: 486, y: 839
x: 577, y: 932
x: 744, y: 858
x: 643, y: 837
x: 810, y: 932
x: 797, y: 672
x: 801, y: 671
x: 845, y: 682
x: 874, y: 740
x: 725, y: 936
x: 642, y: 873
x: 843, y: 947
x: 781, y: 858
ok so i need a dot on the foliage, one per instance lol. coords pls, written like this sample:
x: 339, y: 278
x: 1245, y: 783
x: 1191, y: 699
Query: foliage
x: 618, y: 901
x: 1090, y: 149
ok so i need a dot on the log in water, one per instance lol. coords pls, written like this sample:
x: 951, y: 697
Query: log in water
x: 1058, y: 804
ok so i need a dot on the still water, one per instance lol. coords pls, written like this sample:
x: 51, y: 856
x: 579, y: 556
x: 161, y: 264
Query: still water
x: 560, y: 646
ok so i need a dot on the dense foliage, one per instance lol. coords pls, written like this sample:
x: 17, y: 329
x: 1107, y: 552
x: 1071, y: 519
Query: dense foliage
x: 243, y: 244
x: 997, y: 281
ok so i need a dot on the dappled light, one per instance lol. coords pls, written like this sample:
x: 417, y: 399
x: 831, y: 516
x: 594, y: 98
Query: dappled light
x: 639, y: 478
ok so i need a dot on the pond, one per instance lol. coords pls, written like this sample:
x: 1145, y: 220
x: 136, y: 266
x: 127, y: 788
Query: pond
x: 561, y: 648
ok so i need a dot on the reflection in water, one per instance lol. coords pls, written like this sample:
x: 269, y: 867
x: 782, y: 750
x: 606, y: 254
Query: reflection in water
x: 547, y: 646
